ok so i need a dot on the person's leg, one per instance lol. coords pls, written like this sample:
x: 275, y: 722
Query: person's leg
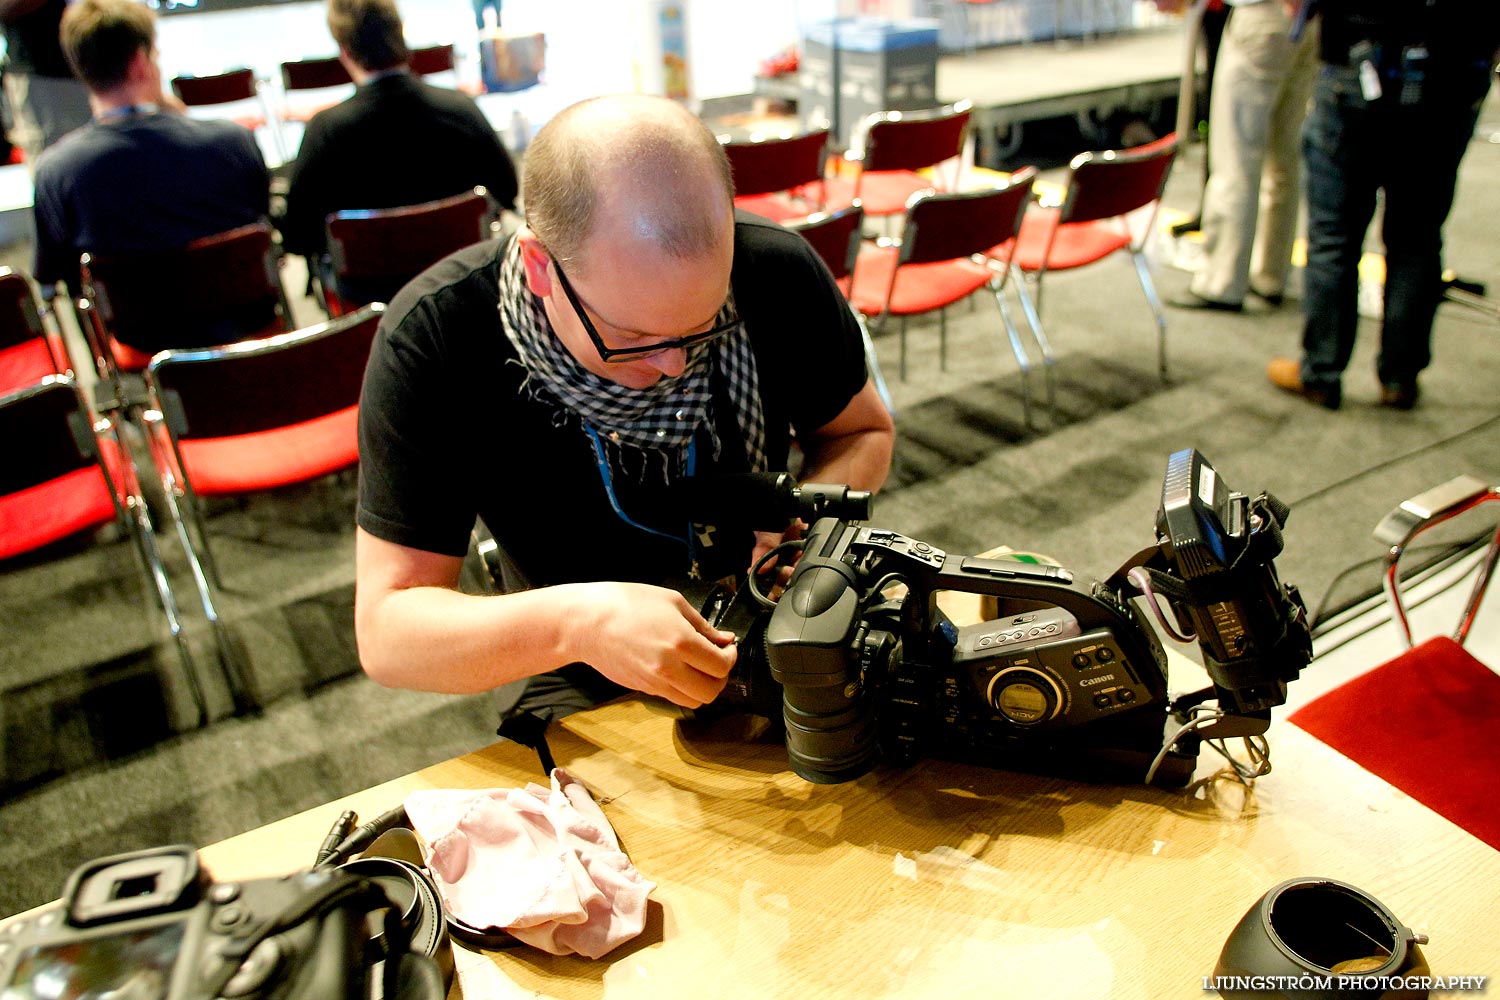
x: 1281, y: 181
x: 1248, y: 75
x: 1341, y: 190
x: 1418, y: 198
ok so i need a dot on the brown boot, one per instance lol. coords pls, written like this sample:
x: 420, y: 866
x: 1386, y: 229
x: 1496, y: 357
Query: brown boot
x: 1286, y: 373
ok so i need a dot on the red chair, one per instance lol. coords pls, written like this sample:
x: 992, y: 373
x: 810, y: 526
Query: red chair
x: 215, y: 290
x: 837, y: 237
x: 432, y: 59
x: 65, y: 474
x: 255, y: 416
x: 372, y: 253
x: 30, y: 346
x: 321, y: 82
x: 1091, y: 224
x: 894, y: 147
x: 947, y: 252
x: 779, y: 177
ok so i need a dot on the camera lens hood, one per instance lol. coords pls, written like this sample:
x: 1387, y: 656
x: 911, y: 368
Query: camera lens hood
x: 1317, y: 936
x: 412, y: 893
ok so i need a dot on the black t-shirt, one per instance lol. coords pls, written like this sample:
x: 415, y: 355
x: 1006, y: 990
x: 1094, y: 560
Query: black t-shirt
x: 446, y: 432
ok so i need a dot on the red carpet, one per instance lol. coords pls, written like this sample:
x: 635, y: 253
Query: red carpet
x: 1426, y: 722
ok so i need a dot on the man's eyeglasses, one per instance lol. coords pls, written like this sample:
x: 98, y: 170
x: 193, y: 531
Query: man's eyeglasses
x: 623, y: 354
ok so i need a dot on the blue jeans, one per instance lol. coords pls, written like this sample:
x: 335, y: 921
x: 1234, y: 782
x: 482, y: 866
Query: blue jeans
x: 1352, y: 148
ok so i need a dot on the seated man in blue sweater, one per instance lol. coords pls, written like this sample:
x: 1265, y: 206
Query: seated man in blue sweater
x: 141, y: 176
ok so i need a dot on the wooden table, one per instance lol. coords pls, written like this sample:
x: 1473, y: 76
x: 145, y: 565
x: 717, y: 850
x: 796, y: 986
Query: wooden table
x: 944, y: 880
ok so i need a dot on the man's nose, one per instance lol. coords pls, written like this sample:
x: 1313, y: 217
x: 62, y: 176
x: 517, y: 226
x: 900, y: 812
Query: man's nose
x: 670, y: 362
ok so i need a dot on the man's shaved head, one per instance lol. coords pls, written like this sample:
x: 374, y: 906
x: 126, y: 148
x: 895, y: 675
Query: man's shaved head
x: 630, y: 168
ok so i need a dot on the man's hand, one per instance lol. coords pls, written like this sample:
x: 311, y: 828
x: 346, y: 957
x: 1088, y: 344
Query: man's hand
x: 651, y: 640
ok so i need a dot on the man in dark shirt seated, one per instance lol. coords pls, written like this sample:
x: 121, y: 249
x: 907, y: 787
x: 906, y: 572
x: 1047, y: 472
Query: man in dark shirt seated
x: 141, y: 176
x: 397, y: 141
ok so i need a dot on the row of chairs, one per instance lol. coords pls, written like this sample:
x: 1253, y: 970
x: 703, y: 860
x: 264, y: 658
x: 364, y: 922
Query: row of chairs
x: 241, y: 86
x: 954, y: 242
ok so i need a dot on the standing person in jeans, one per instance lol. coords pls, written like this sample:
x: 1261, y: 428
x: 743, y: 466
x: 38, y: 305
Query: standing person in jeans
x: 1261, y: 88
x: 46, y: 100
x: 1394, y: 107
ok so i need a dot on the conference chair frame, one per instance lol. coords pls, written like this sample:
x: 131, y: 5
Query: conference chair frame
x: 837, y: 236
x: 774, y: 175
x: 230, y: 87
x: 34, y: 414
x: 971, y: 226
x: 387, y: 247
x: 238, y: 391
x: 30, y: 345
x: 1103, y: 187
x: 893, y: 145
x: 230, y: 280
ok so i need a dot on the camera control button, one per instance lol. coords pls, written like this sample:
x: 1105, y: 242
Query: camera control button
x: 1081, y: 660
x: 1126, y: 696
x: 47, y: 918
x: 257, y: 968
x: 224, y: 892
x: 230, y: 917
x: 1102, y: 701
x: 1105, y: 654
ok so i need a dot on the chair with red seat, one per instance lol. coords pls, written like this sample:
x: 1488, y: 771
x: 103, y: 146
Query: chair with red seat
x: 1103, y: 189
x: 429, y: 60
x: 837, y: 236
x: 779, y: 177
x: 30, y: 346
x: 952, y: 246
x: 254, y: 416
x: 373, y: 252
x: 309, y: 86
x: 64, y: 474
x: 215, y: 290
x: 897, y: 144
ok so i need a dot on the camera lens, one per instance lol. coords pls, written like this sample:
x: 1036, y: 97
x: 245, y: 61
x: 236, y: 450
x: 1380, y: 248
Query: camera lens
x: 830, y: 733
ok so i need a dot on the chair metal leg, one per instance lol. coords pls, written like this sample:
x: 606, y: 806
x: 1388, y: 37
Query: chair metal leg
x: 903, y: 348
x: 1143, y: 272
x: 943, y: 339
x: 150, y: 558
x: 1016, y: 348
x: 872, y: 362
x: 1034, y: 320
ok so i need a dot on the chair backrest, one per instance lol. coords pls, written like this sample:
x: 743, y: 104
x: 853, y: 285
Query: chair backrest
x: 911, y: 140
x: 780, y: 163
x: 1107, y: 184
x: 432, y: 59
x: 215, y: 290
x: 262, y: 385
x: 953, y: 224
x: 314, y: 74
x: 218, y: 88
x: 394, y: 245
x: 836, y: 238
x: 47, y: 434
x: 20, y: 319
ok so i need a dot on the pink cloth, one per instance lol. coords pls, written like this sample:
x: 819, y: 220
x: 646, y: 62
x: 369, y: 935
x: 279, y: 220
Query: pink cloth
x: 543, y: 864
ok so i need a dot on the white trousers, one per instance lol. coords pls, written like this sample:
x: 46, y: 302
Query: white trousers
x: 1260, y: 92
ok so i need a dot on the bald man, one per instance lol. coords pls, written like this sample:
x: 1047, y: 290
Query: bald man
x: 635, y: 332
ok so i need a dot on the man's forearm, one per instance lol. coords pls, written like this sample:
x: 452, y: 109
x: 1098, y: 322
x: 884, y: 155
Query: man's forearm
x: 861, y: 460
x: 436, y: 639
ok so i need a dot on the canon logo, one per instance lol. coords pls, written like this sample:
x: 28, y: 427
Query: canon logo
x: 1091, y: 681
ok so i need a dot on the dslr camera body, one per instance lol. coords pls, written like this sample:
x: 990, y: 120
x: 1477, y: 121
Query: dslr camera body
x: 1065, y: 677
x: 151, y: 925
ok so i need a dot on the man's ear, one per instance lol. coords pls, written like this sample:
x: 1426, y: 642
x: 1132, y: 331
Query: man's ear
x: 535, y: 259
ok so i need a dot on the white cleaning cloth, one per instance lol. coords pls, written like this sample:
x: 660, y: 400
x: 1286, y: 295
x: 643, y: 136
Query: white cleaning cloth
x: 543, y: 864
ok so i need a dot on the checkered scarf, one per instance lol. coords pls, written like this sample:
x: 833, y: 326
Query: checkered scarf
x: 641, y: 429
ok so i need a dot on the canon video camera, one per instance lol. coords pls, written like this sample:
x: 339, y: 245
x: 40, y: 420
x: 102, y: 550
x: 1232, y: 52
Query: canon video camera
x: 1065, y: 677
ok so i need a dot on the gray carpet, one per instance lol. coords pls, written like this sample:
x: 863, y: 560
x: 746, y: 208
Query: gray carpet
x: 100, y: 753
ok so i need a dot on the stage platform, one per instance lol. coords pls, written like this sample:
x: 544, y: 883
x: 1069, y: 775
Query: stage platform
x: 1137, y: 71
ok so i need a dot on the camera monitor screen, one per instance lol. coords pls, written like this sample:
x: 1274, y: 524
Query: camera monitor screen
x: 135, y: 965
